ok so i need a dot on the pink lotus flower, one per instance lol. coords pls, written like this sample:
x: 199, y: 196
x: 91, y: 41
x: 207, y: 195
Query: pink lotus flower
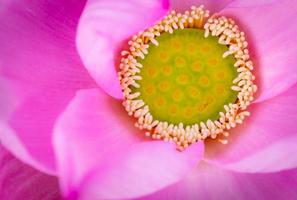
x: 60, y: 110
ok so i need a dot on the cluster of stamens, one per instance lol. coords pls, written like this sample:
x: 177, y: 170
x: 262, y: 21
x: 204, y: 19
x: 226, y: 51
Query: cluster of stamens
x: 184, y: 135
x: 230, y: 35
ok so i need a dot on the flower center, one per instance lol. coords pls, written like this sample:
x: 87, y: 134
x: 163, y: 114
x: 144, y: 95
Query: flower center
x: 185, y: 80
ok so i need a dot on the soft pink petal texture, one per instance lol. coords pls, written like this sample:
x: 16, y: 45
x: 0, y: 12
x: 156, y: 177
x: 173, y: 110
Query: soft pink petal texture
x: 272, y: 37
x: 266, y: 142
x: 144, y: 169
x: 40, y: 72
x: 19, y: 181
x: 211, y: 5
x: 103, y: 28
x: 209, y: 182
x: 250, y: 3
x: 102, y: 155
x: 92, y: 127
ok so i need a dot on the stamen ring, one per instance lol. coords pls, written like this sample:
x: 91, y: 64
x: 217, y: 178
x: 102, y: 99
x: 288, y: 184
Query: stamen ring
x: 228, y: 34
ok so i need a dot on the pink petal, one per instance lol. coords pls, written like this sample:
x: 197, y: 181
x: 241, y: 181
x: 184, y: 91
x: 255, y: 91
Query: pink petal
x: 250, y: 3
x: 102, y: 155
x: 210, y: 182
x: 103, y: 28
x: 147, y: 167
x: 40, y: 72
x: 266, y: 142
x: 272, y: 37
x: 92, y: 127
x: 211, y: 5
x: 19, y: 181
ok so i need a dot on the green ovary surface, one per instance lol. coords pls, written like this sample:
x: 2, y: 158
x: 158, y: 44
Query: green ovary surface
x: 185, y: 79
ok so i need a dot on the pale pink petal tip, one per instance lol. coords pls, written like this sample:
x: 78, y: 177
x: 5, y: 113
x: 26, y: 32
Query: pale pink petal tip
x: 103, y: 28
